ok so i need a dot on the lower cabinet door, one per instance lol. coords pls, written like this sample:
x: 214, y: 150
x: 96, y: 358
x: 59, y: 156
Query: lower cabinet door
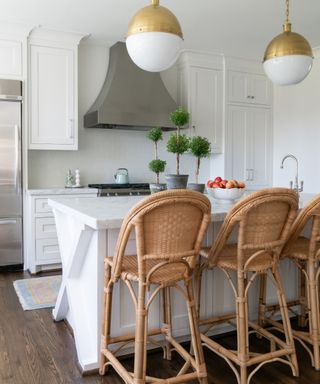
x: 47, y: 251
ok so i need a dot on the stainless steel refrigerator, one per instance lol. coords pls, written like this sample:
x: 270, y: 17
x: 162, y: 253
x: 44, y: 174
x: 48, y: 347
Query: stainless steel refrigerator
x: 10, y: 173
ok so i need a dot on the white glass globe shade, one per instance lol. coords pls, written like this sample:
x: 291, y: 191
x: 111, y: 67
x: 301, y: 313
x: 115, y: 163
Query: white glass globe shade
x: 288, y: 70
x: 154, y: 51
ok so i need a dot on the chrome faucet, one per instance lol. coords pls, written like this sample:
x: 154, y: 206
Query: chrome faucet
x: 296, y: 179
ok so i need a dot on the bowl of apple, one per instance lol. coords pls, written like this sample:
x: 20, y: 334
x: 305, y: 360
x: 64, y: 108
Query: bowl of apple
x: 226, y: 191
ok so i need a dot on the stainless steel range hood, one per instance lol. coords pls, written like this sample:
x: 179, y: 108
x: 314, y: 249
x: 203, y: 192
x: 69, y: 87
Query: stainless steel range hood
x: 130, y: 97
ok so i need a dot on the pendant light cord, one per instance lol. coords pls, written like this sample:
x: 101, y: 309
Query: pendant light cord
x: 287, y: 11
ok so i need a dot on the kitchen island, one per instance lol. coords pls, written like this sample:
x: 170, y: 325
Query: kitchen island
x: 87, y: 231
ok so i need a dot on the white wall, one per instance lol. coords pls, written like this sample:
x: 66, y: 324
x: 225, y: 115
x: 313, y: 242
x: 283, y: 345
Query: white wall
x: 297, y: 130
x: 102, y: 151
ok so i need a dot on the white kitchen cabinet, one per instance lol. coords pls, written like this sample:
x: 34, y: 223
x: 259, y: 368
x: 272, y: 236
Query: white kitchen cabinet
x: 42, y: 248
x: 53, y: 90
x: 252, y: 88
x: 200, y: 91
x: 11, y: 58
x: 249, y: 145
x: 13, y: 46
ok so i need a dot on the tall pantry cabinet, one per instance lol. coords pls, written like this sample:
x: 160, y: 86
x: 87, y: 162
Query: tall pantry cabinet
x: 248, y: 149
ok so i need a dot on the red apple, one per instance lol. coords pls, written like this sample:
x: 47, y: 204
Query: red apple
x: 209, y: 182
x: 222, y: 184
x: 235, y: 183
x: 218, y: 179
x: 241, y: 184
x: 215, y: 185
x: 230, y: 184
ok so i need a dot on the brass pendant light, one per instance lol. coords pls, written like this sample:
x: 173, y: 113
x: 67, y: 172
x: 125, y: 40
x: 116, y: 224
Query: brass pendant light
x: 154, y: 38
x: 288, y: 57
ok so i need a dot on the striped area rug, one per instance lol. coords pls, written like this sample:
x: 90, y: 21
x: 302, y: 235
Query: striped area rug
x: 39, y: 292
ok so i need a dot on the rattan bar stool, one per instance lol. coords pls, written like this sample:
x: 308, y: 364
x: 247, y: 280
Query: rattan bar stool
x: 304, y: 251
x: 169, y: 228
x: 263, y: 220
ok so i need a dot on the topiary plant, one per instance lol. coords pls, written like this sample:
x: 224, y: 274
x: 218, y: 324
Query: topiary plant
x: 178, y: 143
x: 157, y: 166
x: 200, y: 147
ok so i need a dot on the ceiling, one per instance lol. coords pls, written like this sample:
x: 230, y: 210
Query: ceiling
x: 240, y: 28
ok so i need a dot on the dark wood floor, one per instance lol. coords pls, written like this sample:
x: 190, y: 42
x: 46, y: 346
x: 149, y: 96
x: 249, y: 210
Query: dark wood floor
x: 36, y: 350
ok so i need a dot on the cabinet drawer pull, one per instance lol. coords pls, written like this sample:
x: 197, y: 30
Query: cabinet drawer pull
x: 71, y: 128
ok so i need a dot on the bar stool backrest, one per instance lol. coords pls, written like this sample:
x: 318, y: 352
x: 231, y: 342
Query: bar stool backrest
x: 264, y: 219
x: 310, y: 212
x: 169, y: 227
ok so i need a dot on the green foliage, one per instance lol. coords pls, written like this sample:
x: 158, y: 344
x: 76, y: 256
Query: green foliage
x: 179, y: 117
x: 200, y: 146
x: 178, y: 144
x: 155, y: 134
x: 157, y: 166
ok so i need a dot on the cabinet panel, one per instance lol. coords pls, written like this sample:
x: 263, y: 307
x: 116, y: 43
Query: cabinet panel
x: 206, y: 105
x: 11, y: 57
x: 249, y: 146
x: 53, y: 118
x: 248, y: 88
x: 41, y: 206
x: 46, y: 228
x: 47, y: 251
x: 261, y: 147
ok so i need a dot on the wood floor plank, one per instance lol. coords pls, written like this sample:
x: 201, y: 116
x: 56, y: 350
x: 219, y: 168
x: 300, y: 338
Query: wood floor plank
x: 36, y: 350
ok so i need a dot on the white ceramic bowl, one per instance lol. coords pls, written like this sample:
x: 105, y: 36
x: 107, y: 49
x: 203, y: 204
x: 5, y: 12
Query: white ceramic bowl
x: 226, y: 195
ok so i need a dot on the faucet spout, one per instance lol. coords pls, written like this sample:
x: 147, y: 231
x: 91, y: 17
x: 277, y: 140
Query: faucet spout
x: 296, y: 179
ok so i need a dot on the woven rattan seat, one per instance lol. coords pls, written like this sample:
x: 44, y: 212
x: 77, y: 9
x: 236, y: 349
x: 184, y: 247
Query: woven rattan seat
x: 263, y: 220
x: 299, y: 248
x: 304, y: 251
x: 169, y: 228
x: 164, y: 275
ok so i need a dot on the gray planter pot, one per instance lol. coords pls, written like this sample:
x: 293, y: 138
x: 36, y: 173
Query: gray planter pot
x: 155, y: 187
x: 196, y: 187
x: 177, y: 181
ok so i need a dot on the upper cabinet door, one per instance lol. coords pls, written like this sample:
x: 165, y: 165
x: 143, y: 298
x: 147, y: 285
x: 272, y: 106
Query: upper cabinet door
x: 248, y: 88
x: 11, y: 58
x: 53, y: 118
x: 200, y: 91
x: 206, y: 105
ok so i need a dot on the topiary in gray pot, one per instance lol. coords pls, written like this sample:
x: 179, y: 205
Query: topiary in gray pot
x: 200, y: 147
x: 178, y: 143
x: 157, y: 166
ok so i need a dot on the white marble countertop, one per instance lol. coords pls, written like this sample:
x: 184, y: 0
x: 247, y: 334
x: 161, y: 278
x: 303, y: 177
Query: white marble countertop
x: 109, y: 212
x: 62, y: 191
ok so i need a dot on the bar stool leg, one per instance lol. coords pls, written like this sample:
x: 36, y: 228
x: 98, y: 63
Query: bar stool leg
x: 108, y: 289
x: 262, y: 299
x: 167, y: 320
x: 286, y: 321
x: 314, y: 315
x: 242, y: 327
x: 140, y: 344
x: 195, y: 334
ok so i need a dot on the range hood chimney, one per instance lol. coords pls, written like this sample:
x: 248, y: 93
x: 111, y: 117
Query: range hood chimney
x: 130, y: 98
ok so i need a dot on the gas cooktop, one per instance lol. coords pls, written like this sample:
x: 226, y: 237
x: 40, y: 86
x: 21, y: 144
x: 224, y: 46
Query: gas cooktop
x: 122, y: 189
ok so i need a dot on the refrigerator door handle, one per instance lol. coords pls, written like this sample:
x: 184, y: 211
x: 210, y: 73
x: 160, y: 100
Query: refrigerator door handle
x: 17, y: 158
x: 6, y: 222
